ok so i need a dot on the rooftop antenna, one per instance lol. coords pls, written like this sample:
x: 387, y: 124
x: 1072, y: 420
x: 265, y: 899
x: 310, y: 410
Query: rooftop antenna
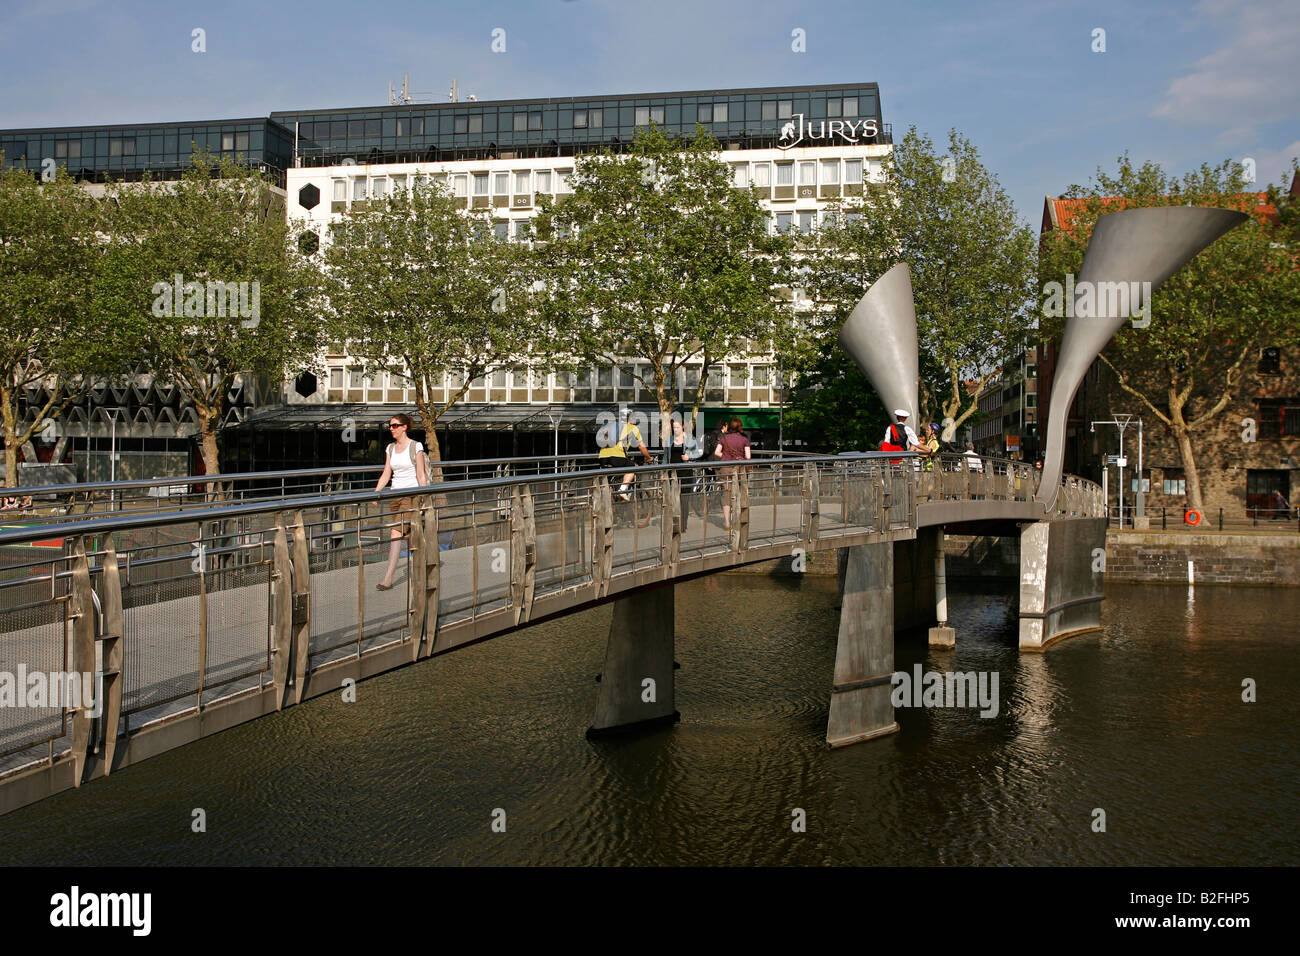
x: 453, y: 90
x: 404, y: 97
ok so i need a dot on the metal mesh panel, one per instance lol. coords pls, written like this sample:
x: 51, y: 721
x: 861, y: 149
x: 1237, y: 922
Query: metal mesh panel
x: 35, y: 641
x: 161, y: 662
x: 239, y: 623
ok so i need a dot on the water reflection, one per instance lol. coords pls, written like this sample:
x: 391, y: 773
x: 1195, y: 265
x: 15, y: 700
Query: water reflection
x: 1143, y: 719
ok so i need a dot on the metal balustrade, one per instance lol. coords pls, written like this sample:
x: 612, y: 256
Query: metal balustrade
x: 205, y: 608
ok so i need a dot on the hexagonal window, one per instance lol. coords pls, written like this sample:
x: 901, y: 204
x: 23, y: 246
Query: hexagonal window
x: 305, y: 384
x: 308, y: 243
x: 309, y: 197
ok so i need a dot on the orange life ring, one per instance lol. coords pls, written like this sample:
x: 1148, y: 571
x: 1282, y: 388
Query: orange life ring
x: 1192, y: 517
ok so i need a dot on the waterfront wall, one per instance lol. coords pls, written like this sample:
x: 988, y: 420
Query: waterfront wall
x: 1256, y: 558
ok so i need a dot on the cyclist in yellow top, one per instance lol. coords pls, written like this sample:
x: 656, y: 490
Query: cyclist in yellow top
x: 931, y: 445
x: 615, y: 455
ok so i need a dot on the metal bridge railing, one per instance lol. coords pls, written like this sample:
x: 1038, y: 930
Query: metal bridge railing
x: 203, y: 604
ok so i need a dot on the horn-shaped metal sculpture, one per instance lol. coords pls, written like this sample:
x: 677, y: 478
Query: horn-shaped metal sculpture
x: 880, y: 336
x: 1140, y: 249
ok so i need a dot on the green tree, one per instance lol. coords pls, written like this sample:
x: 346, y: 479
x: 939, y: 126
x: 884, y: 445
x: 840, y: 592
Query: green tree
x: 972, y: 266
x: 51, y: 346
x: 420, y: 288
x: 201, y: 284
x: 656, y: 257
x: 1210, y: 319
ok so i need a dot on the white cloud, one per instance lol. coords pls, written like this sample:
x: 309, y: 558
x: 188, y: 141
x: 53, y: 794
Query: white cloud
x: 1253, y: 79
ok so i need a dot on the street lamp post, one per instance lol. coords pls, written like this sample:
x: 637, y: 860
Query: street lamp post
x: 1122, y: 422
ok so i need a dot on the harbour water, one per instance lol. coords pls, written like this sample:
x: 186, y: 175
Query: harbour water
x: 1143, y: 720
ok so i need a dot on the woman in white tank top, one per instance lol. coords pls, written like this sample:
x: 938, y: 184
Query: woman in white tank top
x: 404, y: 463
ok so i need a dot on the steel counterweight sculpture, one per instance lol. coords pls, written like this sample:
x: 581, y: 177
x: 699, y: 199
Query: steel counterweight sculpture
x: 1140, y: 248
x: 880, y: 336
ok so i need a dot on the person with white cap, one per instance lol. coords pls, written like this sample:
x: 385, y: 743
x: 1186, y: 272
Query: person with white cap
x: 910, y: 441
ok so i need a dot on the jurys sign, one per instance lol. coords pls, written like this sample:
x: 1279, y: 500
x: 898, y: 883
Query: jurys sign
x: 797, y: 129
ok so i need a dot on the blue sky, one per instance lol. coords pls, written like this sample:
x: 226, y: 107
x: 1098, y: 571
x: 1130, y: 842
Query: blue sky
x: 1179, y: 83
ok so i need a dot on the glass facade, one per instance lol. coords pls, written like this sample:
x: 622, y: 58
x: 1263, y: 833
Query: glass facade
x: 96, y: 153
x: 509, y: 129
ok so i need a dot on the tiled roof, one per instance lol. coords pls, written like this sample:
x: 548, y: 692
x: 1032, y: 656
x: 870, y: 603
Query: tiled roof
x: 1061, y: 213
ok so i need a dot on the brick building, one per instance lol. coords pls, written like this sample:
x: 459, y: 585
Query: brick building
x: 1240, y: 467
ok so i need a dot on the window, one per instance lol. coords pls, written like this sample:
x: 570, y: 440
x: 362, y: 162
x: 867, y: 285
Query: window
x: 1175, y: 481
x: 417, y: 126
x: 355, y: 378
x: 833, y: 107
x: 336, y: 378
x: 521, y: 182
x: 1270, y: 361
x: 830, y: 172
x: 399, y: 183
x: 784, y: 109
x: 783, y: 221
x: 579, y: 119
x: 806, y: 221
x: 740, y: 175
x: 114, y: 147
x: 241, y: 141
x: 1146, y: 482
x: 501, y: 229
x: 762, y: 175
x: 535, y: 120
x: 852, y: 171
x: 476, y: 123
x: 480, y: 184
x: 340, y: 190
x: 769, y: 109
x: 760, y: 377
x: 850, y: 106
x: 355, y: 129
x: 596, y: 118
x: 462, y: 124
x: 521, y: 123
x: 359, y: 189
x: 379, y: 188
x: 500, y: 184
x: 543, y: 180
x: 807, y: 174
x: 460, y: 185
x: 1279, y: 417
x: 523, y: 229
x: 643, y: 116
x: 403, y: 127
x: 563, y: 176
x: 227, y: 141
x: 785, y: 174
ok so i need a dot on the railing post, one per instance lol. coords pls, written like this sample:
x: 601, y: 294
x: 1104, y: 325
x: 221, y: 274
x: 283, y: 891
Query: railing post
x: 283, y: 614
x: 523, y: 552
x: 81, y: 604
x: 602, y: 536
x: 670, y: 542
x: 418, y: 576
x: 301, y: 620
x: 431, y: 567
x: 811, y: 504
x: 113, y: 641
x: 740, y: 514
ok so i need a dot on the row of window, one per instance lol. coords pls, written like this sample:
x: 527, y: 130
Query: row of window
x: 785, y: 173
x: 123, y: 146
x: 720, y: 376
x: 526, y: 120
x: 504, y: 183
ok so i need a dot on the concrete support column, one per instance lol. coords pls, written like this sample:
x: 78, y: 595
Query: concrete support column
x: 914, y: 567
x: 1061, y: 564
x: 636, y: 685
x: 864, y: 658
x: 941, y: 635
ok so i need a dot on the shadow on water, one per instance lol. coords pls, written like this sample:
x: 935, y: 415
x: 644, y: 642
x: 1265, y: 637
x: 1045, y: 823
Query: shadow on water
x: 1143, y: 720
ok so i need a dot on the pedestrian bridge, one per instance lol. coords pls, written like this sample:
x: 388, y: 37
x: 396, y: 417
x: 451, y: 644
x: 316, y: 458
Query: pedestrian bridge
x: 221, y: 610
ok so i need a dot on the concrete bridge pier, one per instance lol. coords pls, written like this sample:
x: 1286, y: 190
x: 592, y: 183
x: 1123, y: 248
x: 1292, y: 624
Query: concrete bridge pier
x: 864, y: 657
x: 636, y: 685
x: 941, y: 635
x: 1061, y: 566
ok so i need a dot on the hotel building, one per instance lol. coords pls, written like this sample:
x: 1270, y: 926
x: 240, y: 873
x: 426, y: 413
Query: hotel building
x: 800, y: 147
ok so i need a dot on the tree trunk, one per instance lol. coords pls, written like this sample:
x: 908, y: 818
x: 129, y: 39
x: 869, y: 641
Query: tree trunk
x: 11, y: 464
x: 208, y: 448
x: 1184, y: 439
